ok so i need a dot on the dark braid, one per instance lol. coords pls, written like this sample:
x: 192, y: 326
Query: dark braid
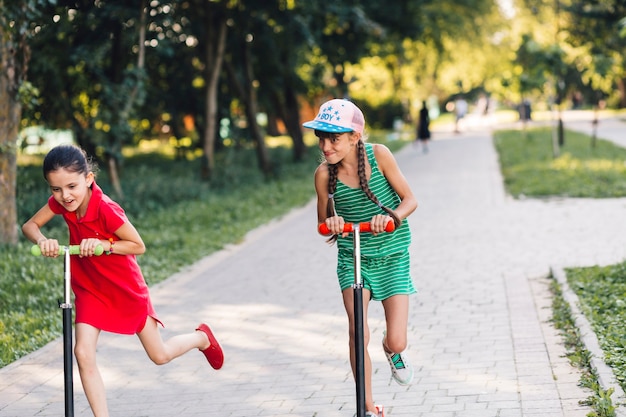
x: 366, y: 188
x: 332, y: 186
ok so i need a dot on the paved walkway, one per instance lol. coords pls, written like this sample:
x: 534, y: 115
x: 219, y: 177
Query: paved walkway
x: 480, y: 335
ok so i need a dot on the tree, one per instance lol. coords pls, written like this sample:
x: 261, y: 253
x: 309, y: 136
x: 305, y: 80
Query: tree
x: 16, y: 28
x: 214, y: 42
x: 185, y: 69
x: 245, y: 84
x: 96, y: 84
x: 279, y: 42
x: 597, y: 27
x: 342, y: 32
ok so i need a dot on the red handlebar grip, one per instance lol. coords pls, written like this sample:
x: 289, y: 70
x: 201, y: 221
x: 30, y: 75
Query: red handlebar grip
x: 323, y: 229
x: 363, y: 227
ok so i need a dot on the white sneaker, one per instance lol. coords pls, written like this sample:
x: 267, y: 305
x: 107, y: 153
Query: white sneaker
x: 401, y: 369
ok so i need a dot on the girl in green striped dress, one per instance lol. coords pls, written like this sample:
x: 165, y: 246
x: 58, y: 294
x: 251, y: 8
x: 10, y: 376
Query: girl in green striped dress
x: 361, y: 182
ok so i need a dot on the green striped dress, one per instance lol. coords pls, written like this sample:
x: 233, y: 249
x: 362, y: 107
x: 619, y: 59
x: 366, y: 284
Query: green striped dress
x: 385, y: 261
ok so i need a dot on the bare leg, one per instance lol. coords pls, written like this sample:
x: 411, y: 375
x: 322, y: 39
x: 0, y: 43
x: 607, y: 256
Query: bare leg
x: 348, y: 302
x: 85, y: 352
x: 397, y: 317
x: 162, y: 352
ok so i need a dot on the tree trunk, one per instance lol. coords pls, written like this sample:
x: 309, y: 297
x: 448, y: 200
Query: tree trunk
x: 248, y: 98
x: 251, y: 112
x: 261, y: 150
x: 10, y: 114
x: 215, y: 44
x: 621, y: 86
x: 115, y: 143
x: 9, y: 121
x: 247, y: 93
x: 291, y: 118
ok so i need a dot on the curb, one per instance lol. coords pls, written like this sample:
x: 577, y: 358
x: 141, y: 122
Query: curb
x: 606, y: 377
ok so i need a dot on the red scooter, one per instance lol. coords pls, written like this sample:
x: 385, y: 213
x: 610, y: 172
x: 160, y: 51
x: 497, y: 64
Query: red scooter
x: 359, y: 348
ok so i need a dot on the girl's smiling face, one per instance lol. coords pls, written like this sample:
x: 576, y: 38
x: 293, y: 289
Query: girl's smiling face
x: 71, y: 189
x: 335, y: 146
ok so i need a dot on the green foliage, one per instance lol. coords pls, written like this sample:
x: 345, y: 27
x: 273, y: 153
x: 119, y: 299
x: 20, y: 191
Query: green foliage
x: 602, y: 291
x: 538, y: 64
x: 384, y: 115
x: 600, y: 401
x: 594, y: 29
x: 581, y: 170
x: 24, y: 332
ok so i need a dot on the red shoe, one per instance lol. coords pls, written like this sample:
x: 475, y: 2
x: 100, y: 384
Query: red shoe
x: 213, y: 353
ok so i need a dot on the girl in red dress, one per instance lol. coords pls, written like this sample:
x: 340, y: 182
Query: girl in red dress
x: 110, y: 291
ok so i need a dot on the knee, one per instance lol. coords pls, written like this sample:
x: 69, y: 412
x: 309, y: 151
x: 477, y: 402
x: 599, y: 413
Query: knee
x: 159, y: 358
x: 84, y: 357
x: 396, y: 344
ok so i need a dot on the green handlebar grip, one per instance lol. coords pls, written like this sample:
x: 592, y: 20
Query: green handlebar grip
x: 73, y: 249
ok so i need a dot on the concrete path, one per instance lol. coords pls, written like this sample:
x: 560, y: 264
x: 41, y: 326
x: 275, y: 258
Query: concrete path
x: 479, y: 329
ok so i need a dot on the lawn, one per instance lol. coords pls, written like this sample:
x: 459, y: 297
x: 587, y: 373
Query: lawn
x: 532, y: 170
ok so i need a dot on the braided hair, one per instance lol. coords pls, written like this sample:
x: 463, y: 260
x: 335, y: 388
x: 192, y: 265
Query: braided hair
x: 332, y: 187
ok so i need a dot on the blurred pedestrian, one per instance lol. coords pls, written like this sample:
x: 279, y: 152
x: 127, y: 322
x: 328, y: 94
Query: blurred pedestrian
x: 460, y: 110
x: 423, y: 127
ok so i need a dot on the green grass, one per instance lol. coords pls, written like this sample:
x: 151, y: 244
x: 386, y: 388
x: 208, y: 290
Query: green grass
x: 600, y: 400
x: 602, y: 295
x: 580, y: 170
x: 180, y: 218
x: 530, y: 169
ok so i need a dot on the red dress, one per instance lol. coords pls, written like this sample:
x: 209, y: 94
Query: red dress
x: 110, y: 291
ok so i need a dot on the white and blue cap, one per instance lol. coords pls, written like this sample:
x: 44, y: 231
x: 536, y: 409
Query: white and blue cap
x: 338, y: 116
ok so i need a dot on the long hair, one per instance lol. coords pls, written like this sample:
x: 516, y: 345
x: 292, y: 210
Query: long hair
x: 332, y: 187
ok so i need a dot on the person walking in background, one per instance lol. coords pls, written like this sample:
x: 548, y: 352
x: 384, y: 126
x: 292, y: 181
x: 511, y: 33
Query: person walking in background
x: 460, y: 110
x: 423, y: 127
x: 361, y: 182
x: 110, y: 291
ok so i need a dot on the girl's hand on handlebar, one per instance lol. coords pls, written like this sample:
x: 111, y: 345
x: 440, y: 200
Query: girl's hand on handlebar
x: 379, y: 222
x: 335, y: 225
x: 88, y: 247
x: 49, y: 247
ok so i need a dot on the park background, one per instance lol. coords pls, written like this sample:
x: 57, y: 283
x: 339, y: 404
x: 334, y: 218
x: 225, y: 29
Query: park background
x: 193, y: 109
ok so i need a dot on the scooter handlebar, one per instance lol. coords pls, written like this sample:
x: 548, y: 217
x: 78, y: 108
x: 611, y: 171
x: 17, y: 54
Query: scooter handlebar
x: 363, y: 227
x: 73, y: 249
